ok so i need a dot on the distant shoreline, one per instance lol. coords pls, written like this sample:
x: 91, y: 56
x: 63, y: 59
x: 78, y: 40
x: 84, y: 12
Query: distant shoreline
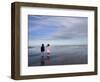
x: 59, y: 45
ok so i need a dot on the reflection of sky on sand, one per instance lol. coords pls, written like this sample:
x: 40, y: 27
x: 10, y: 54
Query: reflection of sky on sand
x: 64, y: 55
x: 45, y: 61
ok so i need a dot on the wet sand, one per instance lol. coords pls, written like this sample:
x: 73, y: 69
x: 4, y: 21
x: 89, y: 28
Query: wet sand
x: 60, y: 55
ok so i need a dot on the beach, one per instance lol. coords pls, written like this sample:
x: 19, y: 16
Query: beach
x: 60, y: 55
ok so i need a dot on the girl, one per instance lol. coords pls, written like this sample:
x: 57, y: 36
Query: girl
x: 48, y: 50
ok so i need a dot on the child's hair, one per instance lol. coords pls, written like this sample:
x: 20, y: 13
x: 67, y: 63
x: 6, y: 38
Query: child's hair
x: 48, y: 45
x: 42, y: 44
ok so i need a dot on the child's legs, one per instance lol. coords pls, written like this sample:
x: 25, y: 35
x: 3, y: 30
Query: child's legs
x: 48, y: 54
x: 42, y: 53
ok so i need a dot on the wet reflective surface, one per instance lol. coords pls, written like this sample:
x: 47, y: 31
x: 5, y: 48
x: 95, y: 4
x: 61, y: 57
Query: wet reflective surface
x: 60, y: 55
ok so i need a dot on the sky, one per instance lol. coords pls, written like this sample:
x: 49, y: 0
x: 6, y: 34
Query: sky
x: 57, y: 30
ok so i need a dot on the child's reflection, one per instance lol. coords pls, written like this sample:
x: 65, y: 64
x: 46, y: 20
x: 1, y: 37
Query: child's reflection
x: 45, y: 61
x: 42, y: 60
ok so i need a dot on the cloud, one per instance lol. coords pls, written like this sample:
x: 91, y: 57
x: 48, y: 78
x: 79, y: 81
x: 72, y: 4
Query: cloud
x: 72, y: 27
x: 57, y: 28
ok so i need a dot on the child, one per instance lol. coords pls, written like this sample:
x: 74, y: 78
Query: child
x: 42, y: 50
x: 48, y: 50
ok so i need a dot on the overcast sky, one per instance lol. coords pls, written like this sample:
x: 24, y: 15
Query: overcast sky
x: 57, y: 30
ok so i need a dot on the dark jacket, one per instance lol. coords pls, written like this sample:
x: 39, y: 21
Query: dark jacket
x: 42, y: 48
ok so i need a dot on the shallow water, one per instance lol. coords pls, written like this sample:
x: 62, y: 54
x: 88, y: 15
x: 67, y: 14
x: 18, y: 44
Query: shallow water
x: 60, y: 55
